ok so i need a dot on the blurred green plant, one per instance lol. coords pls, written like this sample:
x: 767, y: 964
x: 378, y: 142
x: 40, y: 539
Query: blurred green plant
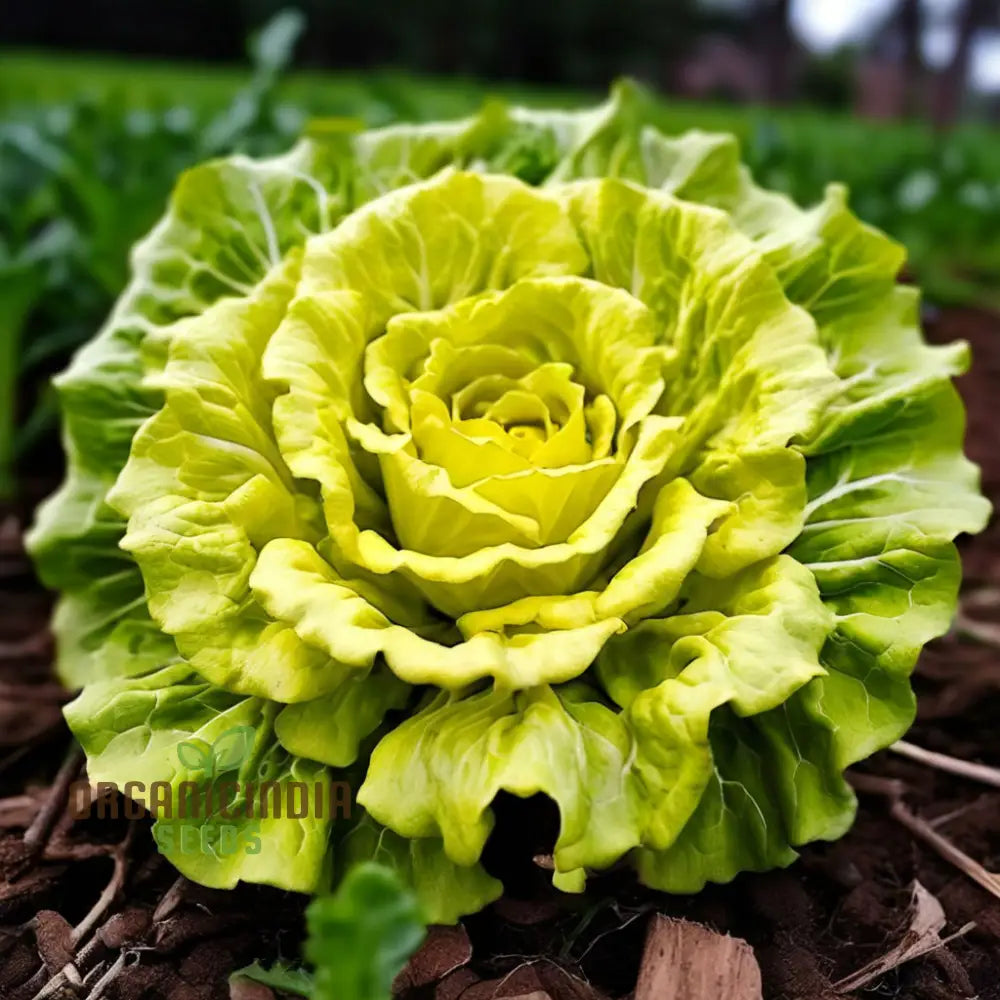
x: 358, y: 940
x: 81, y: 181
x: 937, y: 194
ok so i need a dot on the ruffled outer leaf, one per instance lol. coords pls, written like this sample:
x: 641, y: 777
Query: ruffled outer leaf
x: 132, y: 728
x: 446, y: 890
x: 620, y: 779
x: 228, y: 223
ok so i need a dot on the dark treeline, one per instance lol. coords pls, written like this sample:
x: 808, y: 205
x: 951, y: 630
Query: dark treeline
x: 742, y: 51
x: 573, y: 42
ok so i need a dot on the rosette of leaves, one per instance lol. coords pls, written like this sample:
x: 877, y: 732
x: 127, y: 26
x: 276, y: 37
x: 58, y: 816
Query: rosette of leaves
x: 538, y: 452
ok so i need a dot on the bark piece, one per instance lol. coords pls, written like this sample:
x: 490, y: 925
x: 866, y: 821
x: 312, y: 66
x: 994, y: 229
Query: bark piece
x: 54, y: 937
x: 522, y: 981
x: 686, y: 961
x: 455, y: 984
x: 561, y: 984
x: 126, y: 927
x: 445, y: 950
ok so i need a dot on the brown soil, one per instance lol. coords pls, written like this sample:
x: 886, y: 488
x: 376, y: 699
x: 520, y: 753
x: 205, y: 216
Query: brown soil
x: 841, y: 906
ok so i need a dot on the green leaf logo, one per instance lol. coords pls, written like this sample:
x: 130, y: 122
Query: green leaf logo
x: 195, y: 755
x: 232, y: 748
x: 227, y: 753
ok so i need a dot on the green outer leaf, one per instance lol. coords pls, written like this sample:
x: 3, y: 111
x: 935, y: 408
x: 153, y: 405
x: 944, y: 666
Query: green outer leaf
x: 436, y: 774
x: 134, y: 730
x: 889, y: 487
x: 736, y: 826
x: 199, y: 512
x: 227, y: 221
x: 331, y: 729
x: 446, y: 891
x: 620, y: 779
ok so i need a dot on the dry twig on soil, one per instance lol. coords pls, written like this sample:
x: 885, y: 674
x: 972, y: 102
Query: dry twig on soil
x: 115, y: 885
x: 924, y: 831
x: 922, y: 936
x: 37, y: 834
x: 112, y: 973
x: 982, y: 773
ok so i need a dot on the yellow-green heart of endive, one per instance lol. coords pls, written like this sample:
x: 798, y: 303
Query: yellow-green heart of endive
x: 537, y: 452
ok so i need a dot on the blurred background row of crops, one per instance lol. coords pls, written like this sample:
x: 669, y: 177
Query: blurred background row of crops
x: 90, y: 145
